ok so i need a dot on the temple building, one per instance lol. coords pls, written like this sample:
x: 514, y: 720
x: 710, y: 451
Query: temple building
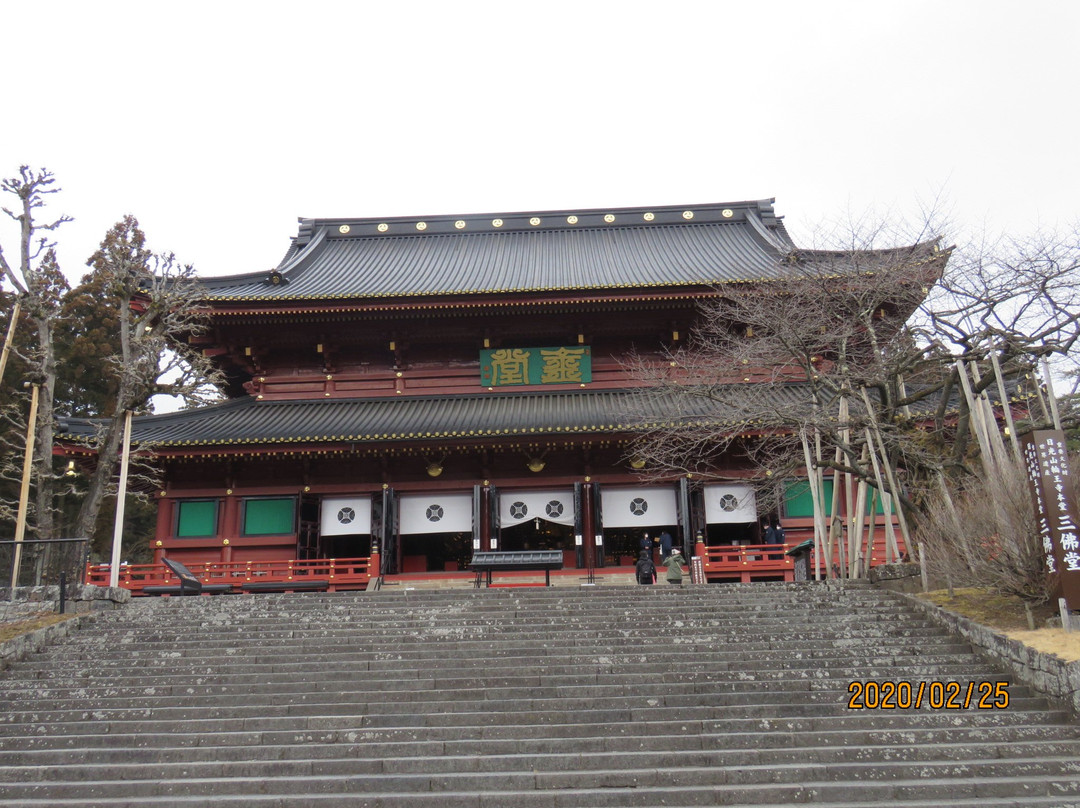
x: 421, y: 388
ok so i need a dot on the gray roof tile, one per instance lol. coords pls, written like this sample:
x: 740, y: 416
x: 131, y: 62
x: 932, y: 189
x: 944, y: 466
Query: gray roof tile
x: 718, y: 244
x: 246, y: 421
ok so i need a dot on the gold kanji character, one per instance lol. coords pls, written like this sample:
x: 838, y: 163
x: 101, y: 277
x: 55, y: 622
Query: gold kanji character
x: 562, y: 365
x: 509, y: 366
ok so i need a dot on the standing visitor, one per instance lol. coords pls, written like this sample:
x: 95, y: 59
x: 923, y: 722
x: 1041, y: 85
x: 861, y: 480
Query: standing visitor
x: 646, y: 570
x: 665, y: 545
x: 674, y: 564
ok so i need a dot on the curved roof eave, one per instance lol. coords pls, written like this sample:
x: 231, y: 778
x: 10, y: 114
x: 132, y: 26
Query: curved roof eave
x: 668, y: 247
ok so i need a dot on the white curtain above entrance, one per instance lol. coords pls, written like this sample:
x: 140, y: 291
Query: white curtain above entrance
x: 730, y: 503
x: 516, y: 507
x: 435, y: 513
x: 638, y: 507
x: 344, y: 516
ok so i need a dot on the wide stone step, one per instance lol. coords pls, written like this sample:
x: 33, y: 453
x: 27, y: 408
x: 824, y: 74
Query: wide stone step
x: 369, y: 777
x: 440, y: 709
x: 203, y: 762
x: 584, y: 689
x: 151, y: 627
x: 657, y: 786
x: 614, y: 661
x: 640, y: 721
x: 668, y: 798
x: 394, y: 744
x: 517, y: 647
x: 795, y: 635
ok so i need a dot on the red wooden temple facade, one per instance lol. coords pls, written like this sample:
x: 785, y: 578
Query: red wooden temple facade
x: 412, y: 390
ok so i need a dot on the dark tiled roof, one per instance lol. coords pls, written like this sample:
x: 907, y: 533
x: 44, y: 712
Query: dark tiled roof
x: 248, y: 421
x: 563, y: 250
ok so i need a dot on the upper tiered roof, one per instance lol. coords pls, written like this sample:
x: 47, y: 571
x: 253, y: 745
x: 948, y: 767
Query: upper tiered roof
x: 616, y: 248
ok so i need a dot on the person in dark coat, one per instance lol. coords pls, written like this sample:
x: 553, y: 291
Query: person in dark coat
x: 665, y: 545
x: 646, y: 570
x: 774, y: 534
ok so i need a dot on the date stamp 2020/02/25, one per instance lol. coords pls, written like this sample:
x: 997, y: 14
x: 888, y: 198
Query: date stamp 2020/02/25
x: 892, y: 694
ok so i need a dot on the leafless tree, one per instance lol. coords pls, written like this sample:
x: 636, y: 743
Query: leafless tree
x: 155, y: 299
x: 987, y: 535
x: 882, y: 366
x: 39, y: 287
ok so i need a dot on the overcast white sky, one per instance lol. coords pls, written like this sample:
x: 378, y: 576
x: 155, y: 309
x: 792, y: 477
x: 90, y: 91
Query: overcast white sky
x: 218, y: 124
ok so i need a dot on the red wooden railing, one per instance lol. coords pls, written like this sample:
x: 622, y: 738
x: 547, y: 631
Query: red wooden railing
x: 751, y: 562
x: 340, y: 573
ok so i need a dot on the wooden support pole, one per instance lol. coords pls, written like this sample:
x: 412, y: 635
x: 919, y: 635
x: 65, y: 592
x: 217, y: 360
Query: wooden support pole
x: 868, y: 545
x: 1049, y: 382
x: 121, y: 497
x: 893, y: 487
x: 1039, y: 395
x: 1005, y: 407
x: 836, y: 520
x: 892, y: 552
x: 24, y: 490
x: 975, y: 419
x: 857, y: 528
x: 10, y: 335
x: 989, y: 420
x: 811, y: 478
x: 819, y: 477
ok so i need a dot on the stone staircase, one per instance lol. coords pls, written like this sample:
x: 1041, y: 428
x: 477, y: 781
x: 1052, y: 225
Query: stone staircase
x: 519, y: 698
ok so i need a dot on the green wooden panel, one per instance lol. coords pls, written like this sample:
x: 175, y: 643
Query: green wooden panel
x: 197, y: 518
x: 557, y: 365
x: 798, y: 502
x: 269, y: 517
x: 797, y: 499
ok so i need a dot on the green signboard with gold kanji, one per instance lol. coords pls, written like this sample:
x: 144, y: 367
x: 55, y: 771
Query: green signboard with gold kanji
x: 510, y: 366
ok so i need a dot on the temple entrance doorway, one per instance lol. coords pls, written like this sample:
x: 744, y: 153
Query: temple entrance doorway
x: 730, y: 515
x: 538, y: 520
x: 636, y: 516
x: 344, y: 526
x: 435, y: 531
x: 540, y: 535
x: 436, y: 552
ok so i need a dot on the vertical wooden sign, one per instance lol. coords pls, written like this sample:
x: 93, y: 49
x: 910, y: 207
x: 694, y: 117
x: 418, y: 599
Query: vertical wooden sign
x: 1047, y: 464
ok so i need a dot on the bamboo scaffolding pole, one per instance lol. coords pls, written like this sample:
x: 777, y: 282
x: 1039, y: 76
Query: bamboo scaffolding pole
x: 1006, y: 409
x: 811, y: 479
x: 10, y: 338
x: 24, y: 489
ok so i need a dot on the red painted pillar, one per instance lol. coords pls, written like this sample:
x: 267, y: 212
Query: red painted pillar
x: 163, y: 530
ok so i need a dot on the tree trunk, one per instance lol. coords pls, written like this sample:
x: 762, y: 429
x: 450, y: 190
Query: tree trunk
x: 43, y: 461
